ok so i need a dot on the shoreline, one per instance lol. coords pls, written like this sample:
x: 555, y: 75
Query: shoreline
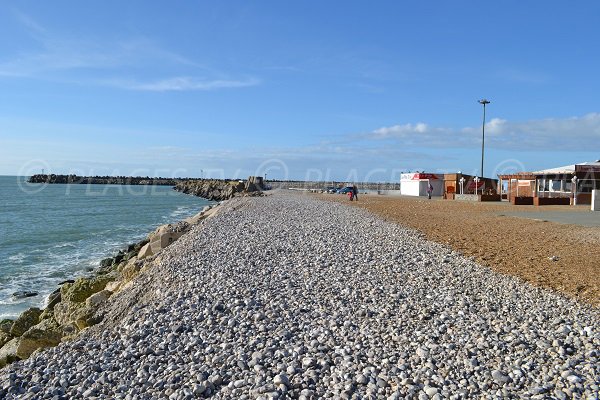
x: 271, y: 300
x: 73, y: 306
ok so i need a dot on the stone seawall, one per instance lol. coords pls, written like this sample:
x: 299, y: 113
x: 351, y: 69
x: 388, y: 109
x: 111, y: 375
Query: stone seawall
x: 218, y: 190
x: 211, y: 189
x: 103, y: 180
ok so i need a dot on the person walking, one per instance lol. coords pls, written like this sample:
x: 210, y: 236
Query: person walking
x: 355, y: 192
x: 429, y: 190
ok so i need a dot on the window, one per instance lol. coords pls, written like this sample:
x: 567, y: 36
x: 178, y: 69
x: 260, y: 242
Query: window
x: 555, y: 184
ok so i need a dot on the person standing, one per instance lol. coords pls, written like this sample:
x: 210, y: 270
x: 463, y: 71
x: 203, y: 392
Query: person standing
x: 355, y: 192
x: 429, y: 190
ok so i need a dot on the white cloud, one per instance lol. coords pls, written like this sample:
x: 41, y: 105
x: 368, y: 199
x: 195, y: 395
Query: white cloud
x: 83, y: 60
x: 566, y: 134
x: 188, y: 83
x: 401, y: 131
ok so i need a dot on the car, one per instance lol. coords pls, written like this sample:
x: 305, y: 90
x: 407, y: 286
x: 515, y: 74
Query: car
x: 330, y: 189
x: 345, y: 190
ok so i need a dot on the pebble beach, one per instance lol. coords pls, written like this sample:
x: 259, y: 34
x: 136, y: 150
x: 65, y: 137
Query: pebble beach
x: 290, y: 296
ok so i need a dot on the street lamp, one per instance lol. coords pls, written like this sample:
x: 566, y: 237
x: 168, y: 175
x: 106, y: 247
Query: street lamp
x: 484, y: 102
x: 462, y: 182
x: 476, y: 180
x: 574, y: 180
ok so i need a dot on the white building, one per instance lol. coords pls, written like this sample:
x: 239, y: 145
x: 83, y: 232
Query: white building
x: 415, y: 184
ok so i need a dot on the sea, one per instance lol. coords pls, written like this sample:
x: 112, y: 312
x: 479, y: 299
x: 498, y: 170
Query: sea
x: 51, y: 233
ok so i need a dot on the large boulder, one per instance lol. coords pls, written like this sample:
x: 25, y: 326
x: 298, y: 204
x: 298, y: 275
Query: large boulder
x: 96, y: 299
x: 47, y: 314
x: 145, y: 251
x: 164, y: 235
x: 8, y: 352
x: 5, y: 325
x: 84, y: 287
x: 4, y: 338
x: 86, y: 316
x: 45, y: 334
x: 53, y: 299
x: 26, y: 320
x: 64, y: 312
x: 131, y: 270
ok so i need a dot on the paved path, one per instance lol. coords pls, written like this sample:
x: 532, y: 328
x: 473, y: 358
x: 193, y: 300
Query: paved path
x: 574, y: 217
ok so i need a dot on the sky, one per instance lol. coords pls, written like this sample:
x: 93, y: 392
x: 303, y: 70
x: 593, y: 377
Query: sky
x: 316, y: 90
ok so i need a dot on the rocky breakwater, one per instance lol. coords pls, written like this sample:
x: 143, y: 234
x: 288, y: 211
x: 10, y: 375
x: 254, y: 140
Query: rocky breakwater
x: 102, y: 180
x: 271, y: 300
x: 75, y: 305
x: 221, y: 189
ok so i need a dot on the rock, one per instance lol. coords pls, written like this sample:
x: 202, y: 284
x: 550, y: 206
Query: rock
x: 24, y: 294
x: 97, y: 298
x: 113, y: 286
x: 65, y: 310
x: 131, y: 269
x: 500, y: 376
x: 281, y: 379
x: 164, y: 235
x: 83, y: 288
x: 4, y: 338
x: 69, y: 331
x: 66, y: 281
x: 5, y: 325
x: 84, y: 317
x: 45, y: 334
x: 25, y: 321
x: 145, y: 251
x: 53, y: 299
x: 107, y: 262
x: 8, y: 352
x: 46, y: 314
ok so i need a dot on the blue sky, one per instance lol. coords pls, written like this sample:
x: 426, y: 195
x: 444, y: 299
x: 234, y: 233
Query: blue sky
x: 320, y: 90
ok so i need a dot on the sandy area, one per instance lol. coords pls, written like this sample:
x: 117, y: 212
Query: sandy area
x: 510, y: 245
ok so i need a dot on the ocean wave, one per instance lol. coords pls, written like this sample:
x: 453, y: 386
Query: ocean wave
x: 17, y: 258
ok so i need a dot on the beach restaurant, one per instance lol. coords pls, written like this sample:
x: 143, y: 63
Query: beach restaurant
x: 571, y: 184
x: 464, y: 184
x: 446, y: 185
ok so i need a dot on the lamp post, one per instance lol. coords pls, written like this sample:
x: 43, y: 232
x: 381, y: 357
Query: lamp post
x: 484, y: 102
x: 476, y: 179
x: 462, y: 182
x: 574, y: 180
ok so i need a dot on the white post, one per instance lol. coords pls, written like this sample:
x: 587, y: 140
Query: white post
x: 574, y: 180
x: 595, y: 200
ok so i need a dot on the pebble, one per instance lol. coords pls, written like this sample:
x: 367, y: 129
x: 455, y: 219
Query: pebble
x: 289, y: 296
